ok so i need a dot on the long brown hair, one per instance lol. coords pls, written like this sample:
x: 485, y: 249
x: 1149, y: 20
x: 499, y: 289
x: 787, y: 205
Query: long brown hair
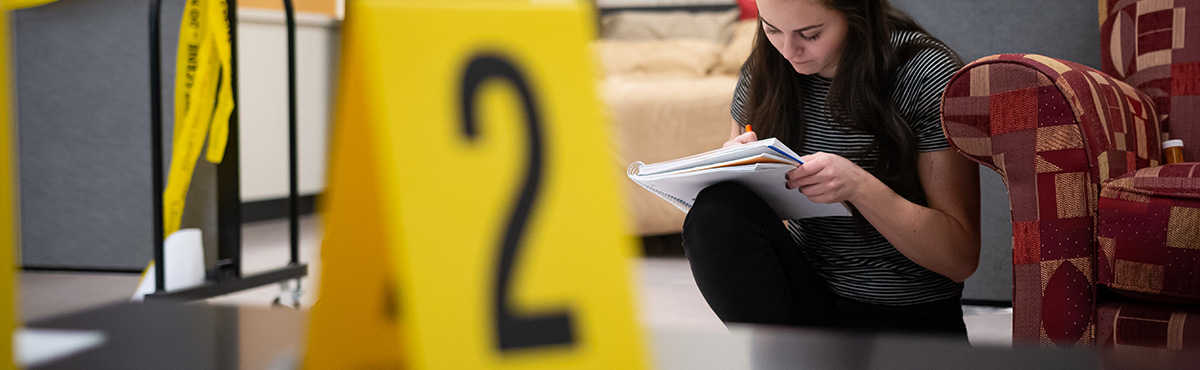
x: 861, y: 93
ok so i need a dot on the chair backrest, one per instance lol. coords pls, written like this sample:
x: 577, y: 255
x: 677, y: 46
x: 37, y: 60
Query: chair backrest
x: 1148, y: 44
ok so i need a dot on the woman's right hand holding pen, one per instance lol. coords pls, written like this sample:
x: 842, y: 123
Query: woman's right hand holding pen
x: 745, y: 137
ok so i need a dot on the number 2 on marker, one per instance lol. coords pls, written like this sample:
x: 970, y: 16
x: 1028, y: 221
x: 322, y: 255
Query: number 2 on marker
x: 513, y: 331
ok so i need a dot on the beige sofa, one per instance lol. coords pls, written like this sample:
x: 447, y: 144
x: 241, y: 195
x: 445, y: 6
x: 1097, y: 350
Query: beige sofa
x: 667, y: 80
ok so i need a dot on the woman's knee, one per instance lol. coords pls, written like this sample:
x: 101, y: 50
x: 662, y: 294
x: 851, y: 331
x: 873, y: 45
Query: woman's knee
x: 722, y: 212
x: 725, y: 197
x: 716, y: 205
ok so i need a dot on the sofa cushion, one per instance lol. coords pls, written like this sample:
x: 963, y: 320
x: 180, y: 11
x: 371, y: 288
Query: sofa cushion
x: 738, y: 50
x: 651, y: 25
x: 1147, y: 325
x: 658, y: 120
x: 1149, y: 234
x: 666, y: 58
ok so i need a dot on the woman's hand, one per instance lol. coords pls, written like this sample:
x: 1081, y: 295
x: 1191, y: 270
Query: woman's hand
x: 747, y: 137
x: 827, y: 178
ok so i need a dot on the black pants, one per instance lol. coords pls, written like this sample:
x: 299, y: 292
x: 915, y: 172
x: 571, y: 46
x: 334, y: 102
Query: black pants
x: 750, y: 270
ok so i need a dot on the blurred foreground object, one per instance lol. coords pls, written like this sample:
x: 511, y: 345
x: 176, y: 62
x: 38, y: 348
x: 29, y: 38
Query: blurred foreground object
x: 8, y: 195
x: 472, y: 220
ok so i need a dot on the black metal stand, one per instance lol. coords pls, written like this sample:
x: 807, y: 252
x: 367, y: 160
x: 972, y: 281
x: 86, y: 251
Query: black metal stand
x: 228, y: 277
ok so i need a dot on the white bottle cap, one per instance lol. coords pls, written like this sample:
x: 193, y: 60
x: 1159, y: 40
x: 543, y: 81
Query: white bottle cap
x: 1171, y: 143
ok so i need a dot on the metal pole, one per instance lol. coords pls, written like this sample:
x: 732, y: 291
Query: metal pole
x: 229, y: 192
x: 156, y: 146
x: 293, y: 161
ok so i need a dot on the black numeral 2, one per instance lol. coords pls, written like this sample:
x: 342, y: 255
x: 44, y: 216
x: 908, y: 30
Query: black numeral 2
x: 513, y: 331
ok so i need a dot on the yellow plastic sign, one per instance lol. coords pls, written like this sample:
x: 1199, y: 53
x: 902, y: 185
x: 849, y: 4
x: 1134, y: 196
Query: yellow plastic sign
x: 21, y: 4
x: 9, y: 217
x: 472, y: 220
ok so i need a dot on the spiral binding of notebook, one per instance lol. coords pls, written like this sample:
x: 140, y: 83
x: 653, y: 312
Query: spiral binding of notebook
x: 678, y: 203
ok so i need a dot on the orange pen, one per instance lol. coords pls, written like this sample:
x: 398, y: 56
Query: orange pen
x: 749, y: 129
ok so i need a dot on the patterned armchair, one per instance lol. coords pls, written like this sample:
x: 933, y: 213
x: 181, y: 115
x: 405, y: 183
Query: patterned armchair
x: 1106, y: 240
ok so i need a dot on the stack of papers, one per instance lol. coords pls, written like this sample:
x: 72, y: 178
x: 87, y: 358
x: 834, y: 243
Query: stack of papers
x: 760, y: 166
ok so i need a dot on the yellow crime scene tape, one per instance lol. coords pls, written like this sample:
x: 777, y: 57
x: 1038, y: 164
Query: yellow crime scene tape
x: 203, y: 65
x: 203, y: 101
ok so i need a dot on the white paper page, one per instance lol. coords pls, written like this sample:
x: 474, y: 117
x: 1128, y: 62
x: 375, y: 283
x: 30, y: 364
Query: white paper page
x: 770, y: 146
x: 766, y: 180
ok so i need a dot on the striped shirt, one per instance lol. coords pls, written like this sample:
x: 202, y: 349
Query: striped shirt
x: 861, y: 264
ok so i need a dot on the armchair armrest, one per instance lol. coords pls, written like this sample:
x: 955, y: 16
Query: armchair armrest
x: 1054, y: 130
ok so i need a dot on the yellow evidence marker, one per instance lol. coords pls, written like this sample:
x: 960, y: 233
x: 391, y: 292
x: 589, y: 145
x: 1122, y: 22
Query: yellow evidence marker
x: 9, y: 215
x: 9, y: 239
x: 472, y: 218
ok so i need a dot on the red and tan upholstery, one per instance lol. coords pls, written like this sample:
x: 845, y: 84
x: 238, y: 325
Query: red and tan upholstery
x: 1149, y: 234
x: 1054, y: 130
x: 1136, y: 324
x: 1154, y: 45
x: 1079, y: 150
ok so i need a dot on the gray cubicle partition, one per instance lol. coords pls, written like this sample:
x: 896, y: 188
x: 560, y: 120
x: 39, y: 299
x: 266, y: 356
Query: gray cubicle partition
x: 83, y: 113
x: 1065, y: 29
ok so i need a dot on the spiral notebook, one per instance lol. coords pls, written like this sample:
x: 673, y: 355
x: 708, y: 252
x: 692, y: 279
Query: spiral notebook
x: 760, y: 166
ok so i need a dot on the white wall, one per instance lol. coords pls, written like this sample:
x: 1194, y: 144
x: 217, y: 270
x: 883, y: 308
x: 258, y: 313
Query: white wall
x: 263, y: 110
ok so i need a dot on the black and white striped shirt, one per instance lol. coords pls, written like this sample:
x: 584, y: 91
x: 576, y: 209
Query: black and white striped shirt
x: 859, y: 265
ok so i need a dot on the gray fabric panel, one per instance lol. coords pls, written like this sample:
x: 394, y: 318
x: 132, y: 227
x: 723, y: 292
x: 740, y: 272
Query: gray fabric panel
x: 1062, y: 29
x: 83, y: 119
